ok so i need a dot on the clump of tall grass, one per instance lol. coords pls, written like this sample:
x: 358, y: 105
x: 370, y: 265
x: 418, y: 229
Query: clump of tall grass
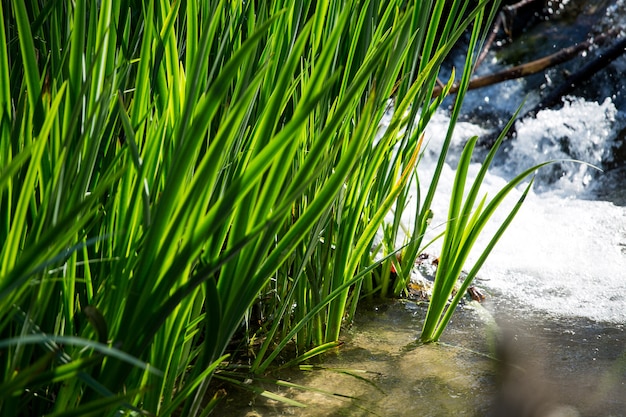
x: 165, y: 166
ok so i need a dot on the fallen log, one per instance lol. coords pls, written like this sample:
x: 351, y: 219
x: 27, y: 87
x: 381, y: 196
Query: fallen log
x: 536, y: 66
x: 583, y: 74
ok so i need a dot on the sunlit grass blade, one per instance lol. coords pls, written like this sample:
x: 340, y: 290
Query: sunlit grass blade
x: 76, y: 341
x: 31, y: 68
x: 103, y: 405
x: 441, y: 325
x: 318, y: 350
x: 260, y: 391
x: 192, y: 386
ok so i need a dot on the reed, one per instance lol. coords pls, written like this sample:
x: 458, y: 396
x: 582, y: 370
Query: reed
x: 174, y: 174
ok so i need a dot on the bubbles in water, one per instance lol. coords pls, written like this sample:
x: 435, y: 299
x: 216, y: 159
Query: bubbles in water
x: 580, y: 130
x: 614, y: 14
x: 561, y: 254
x: 565, y: 252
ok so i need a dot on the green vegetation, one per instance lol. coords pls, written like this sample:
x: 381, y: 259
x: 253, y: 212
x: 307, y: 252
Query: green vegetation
x: 176, y: 176
x: 466, y: 221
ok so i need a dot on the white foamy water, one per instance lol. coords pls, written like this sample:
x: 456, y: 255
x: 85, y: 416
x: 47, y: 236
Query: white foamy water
x: 564, y: 253
x: 564, y: 256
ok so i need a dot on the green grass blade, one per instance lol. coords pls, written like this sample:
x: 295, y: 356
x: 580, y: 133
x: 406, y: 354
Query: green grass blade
x: 77, y: 341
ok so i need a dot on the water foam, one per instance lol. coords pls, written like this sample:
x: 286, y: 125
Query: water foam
x: 564, y: 253
x: 580, y: 130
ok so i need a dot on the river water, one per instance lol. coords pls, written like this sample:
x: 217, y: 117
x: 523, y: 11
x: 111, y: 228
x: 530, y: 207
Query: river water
x: 556, y: 280
x: 565, y: 253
